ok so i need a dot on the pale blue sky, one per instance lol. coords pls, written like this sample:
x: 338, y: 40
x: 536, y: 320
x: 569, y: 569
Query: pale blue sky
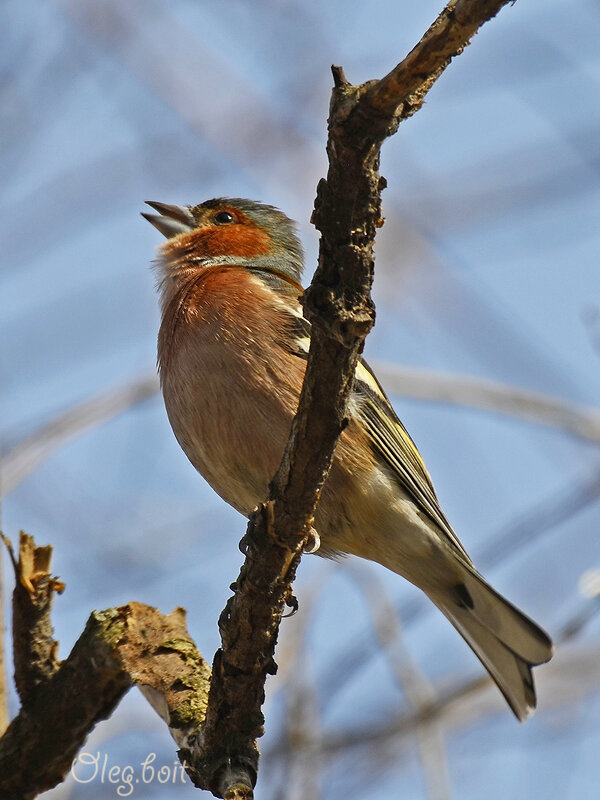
x: 487, y: 265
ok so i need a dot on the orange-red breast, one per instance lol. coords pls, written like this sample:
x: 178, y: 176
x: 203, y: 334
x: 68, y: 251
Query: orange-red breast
x: 232, y: 352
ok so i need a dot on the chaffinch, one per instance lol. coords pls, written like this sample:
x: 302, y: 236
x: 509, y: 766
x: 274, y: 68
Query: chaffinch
x: 232, y: 352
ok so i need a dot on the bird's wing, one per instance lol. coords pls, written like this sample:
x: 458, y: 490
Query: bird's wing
x: 388, y: 436
x: 392, y: 442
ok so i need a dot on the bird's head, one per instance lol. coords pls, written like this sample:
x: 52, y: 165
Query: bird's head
x: 222, y: 231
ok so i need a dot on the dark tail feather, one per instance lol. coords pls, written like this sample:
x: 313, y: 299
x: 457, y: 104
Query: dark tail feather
x: 507, y: 642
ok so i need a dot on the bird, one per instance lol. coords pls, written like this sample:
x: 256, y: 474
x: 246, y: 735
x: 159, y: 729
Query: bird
x: 232, y: 352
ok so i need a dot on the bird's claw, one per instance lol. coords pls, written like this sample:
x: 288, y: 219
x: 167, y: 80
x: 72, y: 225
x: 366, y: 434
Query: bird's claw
x: 313, y: 542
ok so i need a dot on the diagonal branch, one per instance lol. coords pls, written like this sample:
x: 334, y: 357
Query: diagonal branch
x: 63, y: 701
x: 402, y: 91
x: 339, y: 306
x: 119, y: 647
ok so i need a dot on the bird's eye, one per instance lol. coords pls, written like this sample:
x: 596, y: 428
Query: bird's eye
x: 224, y: 217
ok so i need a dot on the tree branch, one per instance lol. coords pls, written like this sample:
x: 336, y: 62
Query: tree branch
x: 575, y: 419
x: 36, y: 752
x: 402, y: 91
x: 34, y: 648
x: 62, y: 702
x: 218, y: 737
x: 338, y: 303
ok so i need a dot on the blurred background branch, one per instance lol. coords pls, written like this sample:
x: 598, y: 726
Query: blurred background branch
x: 460, y: 390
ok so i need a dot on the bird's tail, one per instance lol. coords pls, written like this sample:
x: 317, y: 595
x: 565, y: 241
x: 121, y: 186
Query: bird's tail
x: 506, y: 641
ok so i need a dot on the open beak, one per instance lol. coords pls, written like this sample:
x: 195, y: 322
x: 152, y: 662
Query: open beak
x: 170, y: 220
